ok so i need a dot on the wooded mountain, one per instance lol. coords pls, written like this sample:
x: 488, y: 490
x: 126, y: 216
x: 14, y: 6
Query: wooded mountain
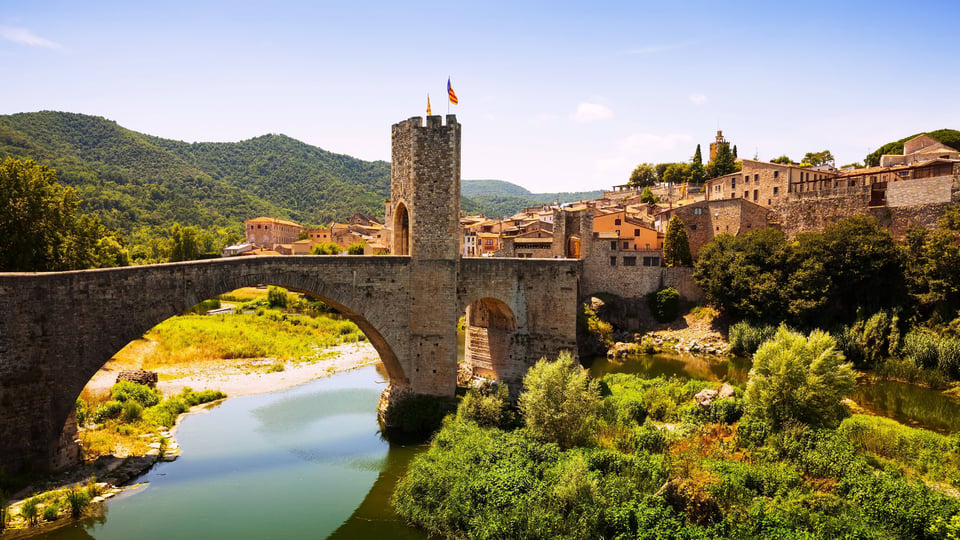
x: 138, y: 182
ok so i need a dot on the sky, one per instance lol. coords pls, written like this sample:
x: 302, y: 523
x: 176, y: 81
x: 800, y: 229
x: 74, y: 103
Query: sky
x: 553, y: 96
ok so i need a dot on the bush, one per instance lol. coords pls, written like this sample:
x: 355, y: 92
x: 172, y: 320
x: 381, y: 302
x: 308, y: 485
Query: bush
x: 746, y: 338
x: 104, y: 411
x: 921, y: 348
x: 664, y: 304
x: 415, y: 417
x: 51, y: 511
x: 79, y: 499
x: 560, y: 402
x: 131, y: 411
x: 488, y: 406
x: 799, y: 379
x: 277, y: 297
x: 948, y: 351
x: 144, y: 395
x: 29, y: 510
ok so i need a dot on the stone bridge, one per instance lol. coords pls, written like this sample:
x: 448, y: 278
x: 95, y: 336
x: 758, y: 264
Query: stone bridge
x: 57, y: 329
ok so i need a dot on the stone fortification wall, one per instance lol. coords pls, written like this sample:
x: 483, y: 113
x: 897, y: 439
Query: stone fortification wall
x: 920, y: 191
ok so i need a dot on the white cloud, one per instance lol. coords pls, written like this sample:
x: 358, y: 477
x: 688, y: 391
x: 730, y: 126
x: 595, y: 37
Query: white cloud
x: 697, y: 99
x: 23, y: 36
x: 591, y: 112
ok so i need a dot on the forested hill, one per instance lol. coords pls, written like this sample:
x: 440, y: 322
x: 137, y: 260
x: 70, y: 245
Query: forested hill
x: 135, y: 180
x: 497, y: 198
x: 949, y: 137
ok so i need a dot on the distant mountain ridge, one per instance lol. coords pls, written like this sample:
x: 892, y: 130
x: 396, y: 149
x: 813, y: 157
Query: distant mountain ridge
x: 497, y: 198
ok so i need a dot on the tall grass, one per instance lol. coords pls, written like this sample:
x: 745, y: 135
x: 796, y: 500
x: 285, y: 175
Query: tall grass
x: 195, y: 338
x: 746, y: 338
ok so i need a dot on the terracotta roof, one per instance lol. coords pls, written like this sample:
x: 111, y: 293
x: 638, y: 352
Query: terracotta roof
x: 264, y: 219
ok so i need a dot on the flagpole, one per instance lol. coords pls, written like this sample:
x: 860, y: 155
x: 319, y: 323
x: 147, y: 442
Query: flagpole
x: 448, y: 95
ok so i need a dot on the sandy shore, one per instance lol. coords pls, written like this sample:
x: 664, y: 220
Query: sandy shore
x: 246, y: 377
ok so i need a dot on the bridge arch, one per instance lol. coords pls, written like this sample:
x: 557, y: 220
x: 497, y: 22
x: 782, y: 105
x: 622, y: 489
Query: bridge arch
x: 490, y: 344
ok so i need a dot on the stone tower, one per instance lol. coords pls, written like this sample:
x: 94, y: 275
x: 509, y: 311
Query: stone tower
x: 425, y: 202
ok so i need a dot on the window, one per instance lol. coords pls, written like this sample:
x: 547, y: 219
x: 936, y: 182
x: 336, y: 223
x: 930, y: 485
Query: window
x: 693, y: 227
x: 626, y: 245
x: 776, y: 191
x: 613, y: 245
x: 636, y: 232
x: 733, y: 183
x: 613, y: 260
x: 616, y: 221
x: 776, y: 174
x: 651, y: 261
x: 756, y: 194
x: 746, y: 194
x: 629, y: 261
x: 756, y: 178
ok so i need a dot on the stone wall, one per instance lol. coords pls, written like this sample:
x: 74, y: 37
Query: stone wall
x: 599, y: 275
x: 920, y: 191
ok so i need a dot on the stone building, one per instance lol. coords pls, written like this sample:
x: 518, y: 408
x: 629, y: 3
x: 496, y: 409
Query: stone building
x: 765, y: 183
x: 705, y: 219
x: 267, y: 232
x: 918, y: 149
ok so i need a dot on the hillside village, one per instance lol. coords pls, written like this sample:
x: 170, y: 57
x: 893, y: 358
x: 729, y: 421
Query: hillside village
x: 619, y: 235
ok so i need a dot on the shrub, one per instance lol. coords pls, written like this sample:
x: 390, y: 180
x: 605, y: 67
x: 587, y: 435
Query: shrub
x: 414, y: 417
x: 110, y: 409
x: 488, y: 406
x: 51, y: 511
x: 797, y: 378
x: 560, y: 402
x: 78, y: 499
x: 921, y: 348
x: 29, y: 510
x: 948, y: 352
x: 131, y: 411
x: 83, y: 412
x: 664, y: 304
x: 277, y: 297
x: 746, y: 338
x: 141, y: 393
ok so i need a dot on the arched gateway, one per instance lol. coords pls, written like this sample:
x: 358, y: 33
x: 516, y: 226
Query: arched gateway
x: 57, y: 329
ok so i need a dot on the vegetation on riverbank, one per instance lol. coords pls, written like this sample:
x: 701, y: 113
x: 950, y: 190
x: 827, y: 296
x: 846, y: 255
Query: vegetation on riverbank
x: 653, y: 463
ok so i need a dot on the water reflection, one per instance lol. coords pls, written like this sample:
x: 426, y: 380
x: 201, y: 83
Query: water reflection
x: 687, y: 366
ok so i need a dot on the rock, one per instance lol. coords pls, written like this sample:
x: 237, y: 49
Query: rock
x: 139, y: 376
x: 726, y: 391
x: 705, y: 397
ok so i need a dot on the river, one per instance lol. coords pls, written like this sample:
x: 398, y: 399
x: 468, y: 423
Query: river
x: 307, y: 462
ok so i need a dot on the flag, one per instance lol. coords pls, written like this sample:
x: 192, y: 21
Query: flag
x: 428, y: 105
x: 450, y: 94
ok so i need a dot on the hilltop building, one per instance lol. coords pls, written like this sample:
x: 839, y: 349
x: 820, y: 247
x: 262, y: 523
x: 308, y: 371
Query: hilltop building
x: 267, y: 232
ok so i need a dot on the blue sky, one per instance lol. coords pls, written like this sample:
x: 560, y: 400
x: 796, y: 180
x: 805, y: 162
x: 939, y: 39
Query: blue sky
x: 553, y: 95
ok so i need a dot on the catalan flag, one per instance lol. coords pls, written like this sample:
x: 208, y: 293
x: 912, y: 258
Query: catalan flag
x: 428, y: 105
x: 450, y: 94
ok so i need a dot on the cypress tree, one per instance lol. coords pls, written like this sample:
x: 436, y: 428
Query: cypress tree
x: 676, y: 245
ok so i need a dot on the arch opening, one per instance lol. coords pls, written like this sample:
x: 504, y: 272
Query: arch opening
x: 95, y: 383
x: 490, y: 344
x: 401, y: 230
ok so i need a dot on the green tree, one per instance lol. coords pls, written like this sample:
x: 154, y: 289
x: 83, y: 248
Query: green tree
x: 725, y: 162
x: 643, y: 175
x: 782, y: 159
x: 356, y: 248
x: 277, y: 297
x: 560, y: 401
x: 697, y: 172
x: 648, y: 197
x: 799, y: 379
x: 676, y: 246
x: 42, y: 229
x: 818, y: 158
x: 325, y: 248
x: 677, y: 173
x: 184, y: 243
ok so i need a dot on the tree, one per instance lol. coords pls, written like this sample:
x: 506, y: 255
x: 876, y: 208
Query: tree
x: 184, y: 244
x: 724, y: 163
x: 697, y: 172
x: 648, y: 197
x: 818, y: 158
x: 356, y: 248
x: 782, y: 159
x: 734, y: 151
x: 799, y: 379
x: 42, y: 229
x: 325, y: 248
x: 559, y: 402
x: 676, y: 173
x: 676, y: 246
x: 643, y: 175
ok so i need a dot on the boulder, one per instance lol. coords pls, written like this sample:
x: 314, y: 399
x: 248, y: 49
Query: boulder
x: 705, y: 397
x: 726, y: 391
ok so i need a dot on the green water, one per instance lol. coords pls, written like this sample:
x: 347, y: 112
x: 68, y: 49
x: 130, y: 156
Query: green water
x: 906, y: 403
x: 303, y: 463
